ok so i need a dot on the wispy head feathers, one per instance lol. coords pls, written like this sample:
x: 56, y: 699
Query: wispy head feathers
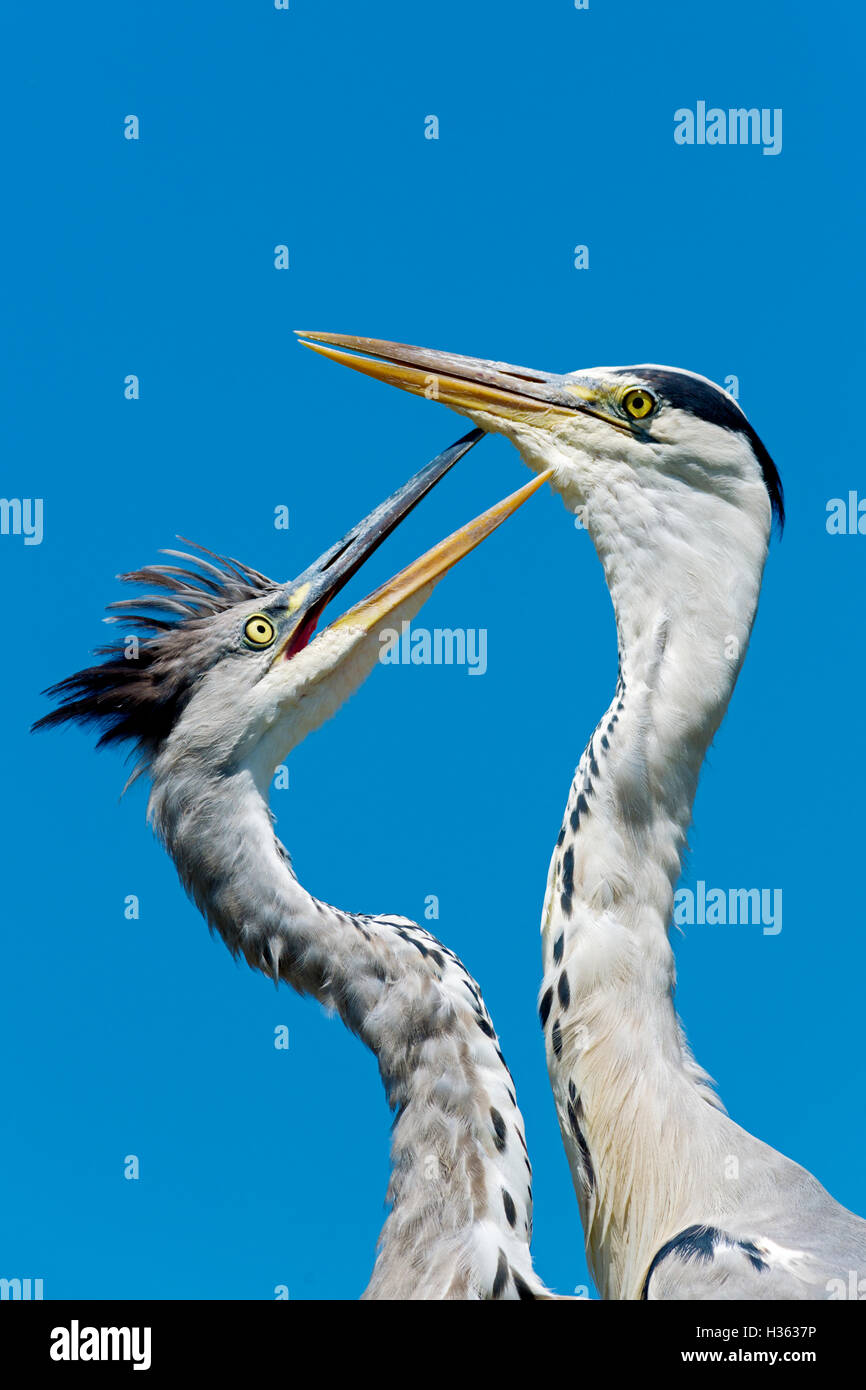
x: 134, y: 695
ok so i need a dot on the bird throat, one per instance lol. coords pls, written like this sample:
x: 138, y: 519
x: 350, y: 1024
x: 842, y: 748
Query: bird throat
x: 622, y: 1074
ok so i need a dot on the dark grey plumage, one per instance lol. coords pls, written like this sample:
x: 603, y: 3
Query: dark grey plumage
x: 137, y: 698
x: 212, y: 706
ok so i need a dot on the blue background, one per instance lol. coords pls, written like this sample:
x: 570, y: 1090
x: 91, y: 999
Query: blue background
x: 155, y: 257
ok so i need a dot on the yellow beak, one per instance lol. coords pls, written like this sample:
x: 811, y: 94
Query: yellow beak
x: 431, y: 566
x: 467, y: 384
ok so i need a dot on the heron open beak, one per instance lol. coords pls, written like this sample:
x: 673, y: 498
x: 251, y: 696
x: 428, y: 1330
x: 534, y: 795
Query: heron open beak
x: 306, y: 597
x: 471, y: 385
x: 430, y: 567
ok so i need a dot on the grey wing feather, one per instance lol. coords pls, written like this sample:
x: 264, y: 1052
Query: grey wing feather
x: 803, y: 1247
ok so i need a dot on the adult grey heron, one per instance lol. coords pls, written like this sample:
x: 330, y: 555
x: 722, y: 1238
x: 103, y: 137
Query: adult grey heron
x: 227, y: 681
x: 678, y: 494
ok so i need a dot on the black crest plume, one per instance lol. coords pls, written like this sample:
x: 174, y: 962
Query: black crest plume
x: 708, y: 401
x: 137, y: 699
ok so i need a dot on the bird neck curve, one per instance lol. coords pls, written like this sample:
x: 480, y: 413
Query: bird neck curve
x: 638, y: 1115
x: 460, y: 1197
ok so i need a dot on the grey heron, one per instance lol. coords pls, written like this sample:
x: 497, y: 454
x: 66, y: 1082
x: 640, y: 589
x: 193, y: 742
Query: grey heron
x: 678, y: 494
x: 228, y: 679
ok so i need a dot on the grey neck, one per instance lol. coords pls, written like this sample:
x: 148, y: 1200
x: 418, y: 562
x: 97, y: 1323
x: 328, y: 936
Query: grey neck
x: 460, y: 1189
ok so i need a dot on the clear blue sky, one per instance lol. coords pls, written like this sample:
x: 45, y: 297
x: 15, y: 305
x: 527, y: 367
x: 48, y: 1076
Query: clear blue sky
x: 260, y: 1167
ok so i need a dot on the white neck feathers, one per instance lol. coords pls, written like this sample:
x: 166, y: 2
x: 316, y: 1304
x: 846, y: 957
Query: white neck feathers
x: 633, y: 1105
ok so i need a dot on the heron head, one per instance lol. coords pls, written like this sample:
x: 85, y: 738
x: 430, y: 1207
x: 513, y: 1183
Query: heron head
x: 643, y: 451
x: 230, y: 669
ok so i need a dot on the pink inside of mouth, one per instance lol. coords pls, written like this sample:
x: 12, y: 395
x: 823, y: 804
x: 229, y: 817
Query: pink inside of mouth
x: 302, y: 636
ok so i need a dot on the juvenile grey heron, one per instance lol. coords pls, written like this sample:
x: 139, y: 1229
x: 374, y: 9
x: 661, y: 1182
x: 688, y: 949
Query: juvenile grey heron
x: 678, y: 494
x: 228, y: 680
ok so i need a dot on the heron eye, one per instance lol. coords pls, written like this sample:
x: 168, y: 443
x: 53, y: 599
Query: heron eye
x: 638, y: 403
x: 259, y: 631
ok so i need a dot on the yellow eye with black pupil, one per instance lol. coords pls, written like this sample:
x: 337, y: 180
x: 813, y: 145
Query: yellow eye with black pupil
x: 638, y: 403
x: 259, y: 631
